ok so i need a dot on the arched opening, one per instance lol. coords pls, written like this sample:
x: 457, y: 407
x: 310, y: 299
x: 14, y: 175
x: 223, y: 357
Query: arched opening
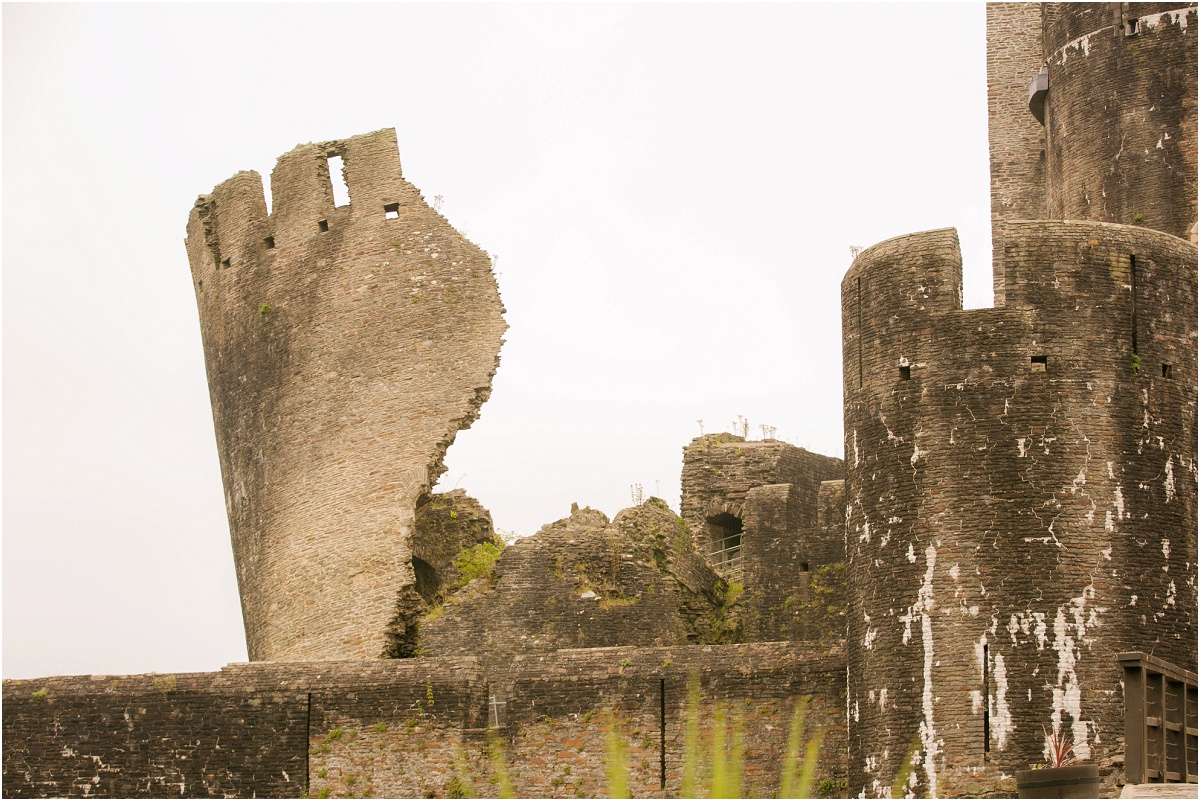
x: 725, y: 545
x: 428, y: 583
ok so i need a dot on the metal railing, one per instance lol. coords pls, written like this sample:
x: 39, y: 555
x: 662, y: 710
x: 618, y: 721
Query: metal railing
x: 728, y: 562
x: 1160, y: 720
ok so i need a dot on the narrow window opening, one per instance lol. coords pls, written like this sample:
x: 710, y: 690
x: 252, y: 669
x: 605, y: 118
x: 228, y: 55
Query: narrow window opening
x: 905, y: 372
x: 269, y: 242
x: 804, y: 567
x: 1166, y: 371
x: 1037, y: 364
x: 987, y: 703
x: 323, y: 225
x: 1133, y: 290
x: 1131, y: 27
x: 391, y: 211
x: 225, y: 262
x: 341, y: 190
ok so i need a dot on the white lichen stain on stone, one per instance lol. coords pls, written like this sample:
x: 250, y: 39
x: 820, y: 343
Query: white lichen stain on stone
x: 916, y: 455
x: 869, y: 638
x: 1166, y: 551
x: 1106, y: 553
x: 883, y: 694
x: 1169, y: 481
x: 976, y: 701
x: 912, y: 554
x: 927, y: 732
x: 998, y: 710
x: 1170, y: 594
x: 1178, y: 17
x: 856, y: 448
x: 1067, y: 695
x: 1021, y: 450
x: 1133, y: 600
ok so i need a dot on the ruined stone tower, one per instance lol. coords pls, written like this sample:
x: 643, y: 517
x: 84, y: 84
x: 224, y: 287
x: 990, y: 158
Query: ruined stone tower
x: 345, y: 346
x: 1021, y: 481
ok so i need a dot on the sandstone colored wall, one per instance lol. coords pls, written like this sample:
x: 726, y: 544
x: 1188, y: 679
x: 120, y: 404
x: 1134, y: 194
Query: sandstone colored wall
x: 1022, y: 502
x: 1121, y: 113
x: 345, y: 348
x: 415, y: 728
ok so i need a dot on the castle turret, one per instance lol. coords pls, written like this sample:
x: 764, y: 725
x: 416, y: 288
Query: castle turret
x: 1021, y: 495
x: 1092, y: 115
x: 345, y: 346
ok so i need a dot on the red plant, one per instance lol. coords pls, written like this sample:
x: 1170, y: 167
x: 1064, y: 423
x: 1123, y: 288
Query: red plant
x: 1059, y: 748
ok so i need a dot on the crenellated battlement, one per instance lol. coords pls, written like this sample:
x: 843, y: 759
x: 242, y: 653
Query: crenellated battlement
x: 346, y: 346
x: 1071, y: 293
x: 1020, y: 493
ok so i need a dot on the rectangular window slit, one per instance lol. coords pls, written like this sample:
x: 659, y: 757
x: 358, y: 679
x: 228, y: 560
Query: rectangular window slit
x: 391, y: 211
x: 1037, y: 364
x: 804, y: 567
x: 1134, y: 293
x: 341, y: 189
x: 1166, y: 371
x: 225, y: 262
x: 987, y: 721
x: 269, y: 242
x: 905, y: 372
x: 323, y: 225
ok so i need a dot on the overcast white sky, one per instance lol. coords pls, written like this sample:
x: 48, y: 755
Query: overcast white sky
x: 671, y: 191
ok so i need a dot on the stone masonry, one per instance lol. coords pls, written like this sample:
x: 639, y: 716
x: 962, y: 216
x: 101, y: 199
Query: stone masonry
x: 1017, y: 505
x: 752, y: 508
x: 1019, y: 510
x: 1115, y: 141
x: 346, y: 346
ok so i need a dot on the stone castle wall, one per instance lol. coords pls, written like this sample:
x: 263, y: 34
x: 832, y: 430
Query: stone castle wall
x: 345, y: 348
x: 1121, y: 113
x: 1016, y: 140
x: 1022, y: 507
x: 420, y: 727
x: 766, y: 493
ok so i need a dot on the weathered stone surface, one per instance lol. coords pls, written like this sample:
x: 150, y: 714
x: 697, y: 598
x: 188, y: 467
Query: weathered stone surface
x: 345, y: 346
x: 447, y: 524
x: 1119, y: 140
x: 1121, y: 113
x: 585, y: 582
x: 761, y: 500
x: 1021, y: 496
x: 417, y: 727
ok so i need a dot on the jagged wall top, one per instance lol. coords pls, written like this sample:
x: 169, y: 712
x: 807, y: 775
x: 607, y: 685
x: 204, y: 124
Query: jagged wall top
x: 345, y: 347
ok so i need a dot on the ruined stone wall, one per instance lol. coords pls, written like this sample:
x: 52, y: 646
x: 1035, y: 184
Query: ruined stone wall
x: 417, y: 728
x: 771, y: 488
x: 1016, y: 140
x: 345, y: 348
x: 1021, y: 500
x: 583, y: 582
x: 1121, y: 113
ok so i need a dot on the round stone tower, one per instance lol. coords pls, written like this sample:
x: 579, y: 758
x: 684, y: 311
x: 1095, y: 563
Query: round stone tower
x: 346, y: 345
x: 1021, y: 497
x: 1120, y: 113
